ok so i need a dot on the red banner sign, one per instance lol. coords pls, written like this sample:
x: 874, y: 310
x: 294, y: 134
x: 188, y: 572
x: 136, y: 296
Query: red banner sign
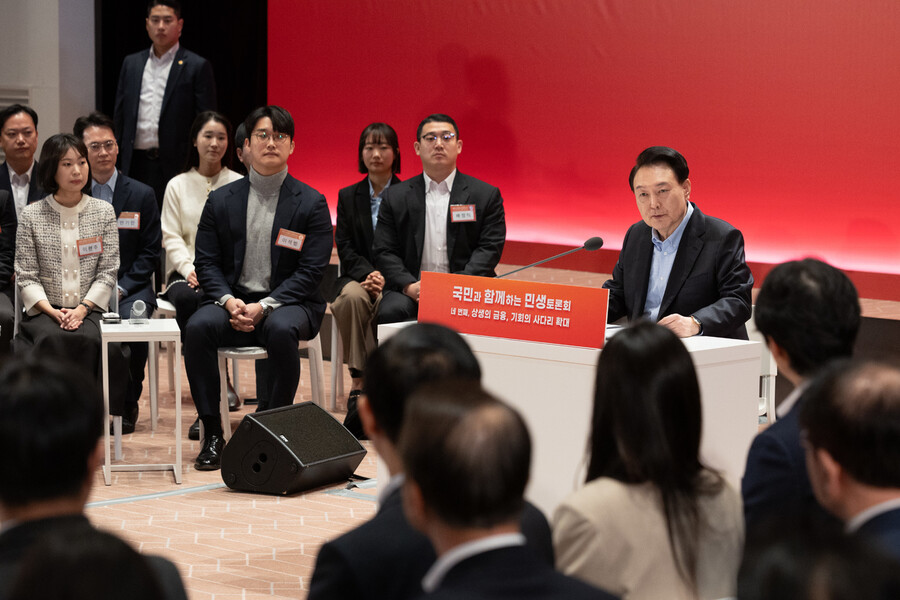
x: 520, y: 310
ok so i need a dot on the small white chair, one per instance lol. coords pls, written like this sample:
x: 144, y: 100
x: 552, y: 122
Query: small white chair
x: 235, y: 353
x: 767, y: 373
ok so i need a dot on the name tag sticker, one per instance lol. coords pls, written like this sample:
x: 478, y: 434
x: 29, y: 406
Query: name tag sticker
x: 462, y: 213
x: 289, y: 239
x: 129, y: 220
x: 89, y: 246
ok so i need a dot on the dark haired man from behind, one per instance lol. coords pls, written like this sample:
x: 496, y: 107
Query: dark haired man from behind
x: 385, y: 558
x: 262, y: 246
x: 49, y: 465
x: 678, y: 266
x: 467, y: 458
x: 809, y: 314
x: 137, y: 218
x: 161, y: 90
x: 851, y: 419
x: 19, y: 141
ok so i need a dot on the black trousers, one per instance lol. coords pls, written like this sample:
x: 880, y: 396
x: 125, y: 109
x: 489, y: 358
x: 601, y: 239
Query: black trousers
x: 279, y: 333
x: 396, y: 307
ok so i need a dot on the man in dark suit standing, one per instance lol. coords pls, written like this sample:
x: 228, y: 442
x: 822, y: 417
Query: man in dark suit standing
x: 851, y: 416
x: 677, y: 266
x: 467, y: 458
x: 385, y: 558
x: 51, y: 464
x: 262, y: 247
x: 19, y: 139
x: 809, y: 313
x: 441, y: 221
x: 140, y: 239
x: 8, y: 226
x: 359, y: 288
x: 160, y: 91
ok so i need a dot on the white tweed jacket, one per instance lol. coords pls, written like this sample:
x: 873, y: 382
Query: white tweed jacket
x: 47, y: 264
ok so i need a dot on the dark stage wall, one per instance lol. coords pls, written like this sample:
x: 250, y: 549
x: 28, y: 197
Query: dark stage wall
x: 786, y: 111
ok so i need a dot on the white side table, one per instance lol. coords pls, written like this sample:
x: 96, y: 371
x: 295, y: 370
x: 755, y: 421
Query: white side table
x: 153, y: 332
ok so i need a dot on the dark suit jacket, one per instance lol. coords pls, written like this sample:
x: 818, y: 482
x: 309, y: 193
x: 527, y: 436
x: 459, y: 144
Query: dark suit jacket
x: 385, y: 558
x: 222, y: 241
x: 139, y: 249
x: 15, y: 542
x: 473, y: 248
x: 353, y: 233
x: 515, y: 573
x: 8, y: 225
x: 190, y: 89
x: 884, y: 531
x: 709, y: 277
x: 35, y: 192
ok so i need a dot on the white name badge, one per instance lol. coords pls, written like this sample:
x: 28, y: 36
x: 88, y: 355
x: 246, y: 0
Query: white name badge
x: 462, y: 213
x: 129, y: 220
x: 289, y: 239
x: 89, y: 246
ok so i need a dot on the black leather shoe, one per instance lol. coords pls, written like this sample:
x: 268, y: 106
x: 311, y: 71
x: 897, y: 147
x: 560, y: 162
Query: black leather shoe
x: 210, y: 457
x: 129, y: 418
x: 234, y: 401
x: 194, y: 430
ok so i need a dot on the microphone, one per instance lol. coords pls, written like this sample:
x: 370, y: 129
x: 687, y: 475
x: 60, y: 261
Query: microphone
x: 595, y: 243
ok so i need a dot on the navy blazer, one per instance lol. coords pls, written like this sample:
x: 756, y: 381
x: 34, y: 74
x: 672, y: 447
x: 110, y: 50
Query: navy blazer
x: 473, y: 248
x: 385, y: 558
x: 139, y: 249
x: 884, y: 531
x: 16, y: 541
x: 513, y: 573
x: 190, y: 90
x: 709, y: 279
x: 8, y: 225
x: 222, y: 241
x: 353, y: 232
x: 35, y: 192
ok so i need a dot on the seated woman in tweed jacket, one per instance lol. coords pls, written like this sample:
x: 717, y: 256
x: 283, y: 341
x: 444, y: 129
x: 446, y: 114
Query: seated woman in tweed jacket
x: 67, y: 256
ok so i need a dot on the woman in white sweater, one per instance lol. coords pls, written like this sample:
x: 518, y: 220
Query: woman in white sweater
x: 651, y: 521
x: 67, y: 256
x: 183, y: 204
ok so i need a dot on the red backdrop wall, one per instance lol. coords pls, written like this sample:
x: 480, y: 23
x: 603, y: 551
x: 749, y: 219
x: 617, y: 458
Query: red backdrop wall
x: 786, y: 111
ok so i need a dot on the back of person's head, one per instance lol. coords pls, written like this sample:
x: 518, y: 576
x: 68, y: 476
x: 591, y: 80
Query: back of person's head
x: 379, y: 133
x: 282, y: 121
x: 661, y: 155
x: 811, y: 310
x: 647, y: 417
x: 852, y: 411
x: 51, y: 420
x: 14, y: 109
x: 802, y: 560
x: 646, y: 429
x: 95, y: 119
x: 417, y: 354
x: 468, y: 453
x: 83, y: 563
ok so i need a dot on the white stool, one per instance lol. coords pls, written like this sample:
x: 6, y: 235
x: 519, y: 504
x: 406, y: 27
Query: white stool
x: 337, y: 362
x: 166, y: 310
x: 235, y: 353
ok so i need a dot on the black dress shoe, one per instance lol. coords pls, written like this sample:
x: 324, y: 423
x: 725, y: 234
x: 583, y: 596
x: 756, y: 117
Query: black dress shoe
x: 194, y: 430
x: 129, y: 418
x: 210, y: 457
x: 234, y: 401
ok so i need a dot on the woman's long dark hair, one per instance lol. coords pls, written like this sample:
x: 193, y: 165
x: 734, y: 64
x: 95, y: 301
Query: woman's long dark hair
x: 193, y: 158
x: 646, y: 429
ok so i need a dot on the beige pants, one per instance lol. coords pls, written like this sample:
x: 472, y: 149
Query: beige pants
x: 353, y: 312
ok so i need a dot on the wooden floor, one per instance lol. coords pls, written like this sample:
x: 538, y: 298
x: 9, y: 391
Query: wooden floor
x: 237, y: 545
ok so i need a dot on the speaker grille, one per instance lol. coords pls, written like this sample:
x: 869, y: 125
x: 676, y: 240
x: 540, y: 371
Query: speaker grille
x: 310, y: 432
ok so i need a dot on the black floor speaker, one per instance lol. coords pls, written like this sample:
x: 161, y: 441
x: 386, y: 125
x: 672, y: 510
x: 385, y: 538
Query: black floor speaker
x: 289, y: 449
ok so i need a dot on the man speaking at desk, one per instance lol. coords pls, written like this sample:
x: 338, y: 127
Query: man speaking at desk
x: 677, y: 266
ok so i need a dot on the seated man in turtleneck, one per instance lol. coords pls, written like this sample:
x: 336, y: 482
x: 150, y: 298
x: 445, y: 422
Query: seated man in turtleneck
x: 262, y: 246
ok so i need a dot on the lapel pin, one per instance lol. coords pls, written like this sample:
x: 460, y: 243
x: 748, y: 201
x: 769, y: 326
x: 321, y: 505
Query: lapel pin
x: 180, y: 62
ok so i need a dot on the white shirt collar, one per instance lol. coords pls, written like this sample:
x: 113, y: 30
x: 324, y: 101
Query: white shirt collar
x: 450, y: 179
x: 111, y: 182
x: 448, y: 560
x: 394, y: 483
x: 167, y: 57
x: 12, y: 172
x: 788, y: 403
x: 870, y: 513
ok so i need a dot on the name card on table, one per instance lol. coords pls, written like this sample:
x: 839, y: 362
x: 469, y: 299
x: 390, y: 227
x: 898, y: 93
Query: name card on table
x: 521, y: 310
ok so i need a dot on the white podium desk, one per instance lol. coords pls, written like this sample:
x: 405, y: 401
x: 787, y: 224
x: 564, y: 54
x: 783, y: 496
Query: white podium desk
x: 553, y: 386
